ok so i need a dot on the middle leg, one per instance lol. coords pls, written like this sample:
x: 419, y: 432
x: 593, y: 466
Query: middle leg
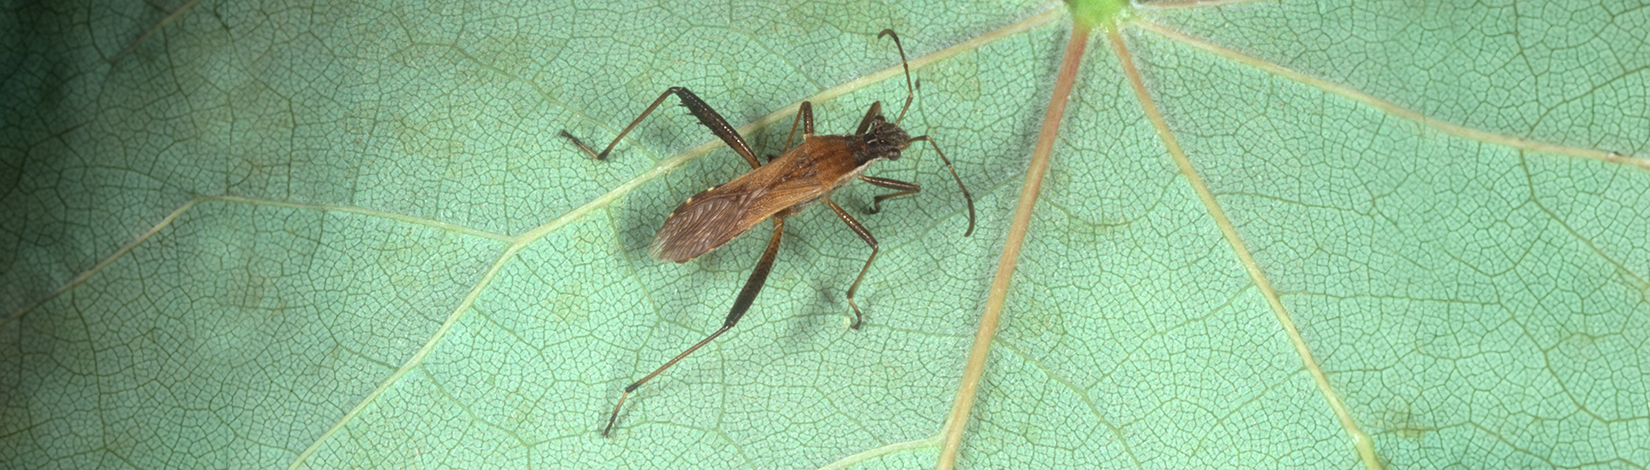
x: 805, y: 117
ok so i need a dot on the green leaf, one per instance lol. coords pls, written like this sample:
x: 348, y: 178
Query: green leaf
x: 348, y: 235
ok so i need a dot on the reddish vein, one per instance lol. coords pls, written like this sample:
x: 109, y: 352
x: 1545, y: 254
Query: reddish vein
x: 957, y: 421
x: 1360, y: 440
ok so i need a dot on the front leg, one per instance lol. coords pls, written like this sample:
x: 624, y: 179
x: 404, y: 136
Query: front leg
x: 903, y: 187
x: 869, y: 240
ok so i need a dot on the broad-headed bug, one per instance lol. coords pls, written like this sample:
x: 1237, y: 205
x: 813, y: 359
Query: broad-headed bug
x: 802, y: 175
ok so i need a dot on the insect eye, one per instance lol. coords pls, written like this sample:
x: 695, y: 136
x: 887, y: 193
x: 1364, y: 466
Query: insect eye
x: 893, y: 155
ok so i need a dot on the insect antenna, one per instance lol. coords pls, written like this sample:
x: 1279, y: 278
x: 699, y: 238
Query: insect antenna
x: 966, y: 196
x: 908, y: 93
x: 969, y: 198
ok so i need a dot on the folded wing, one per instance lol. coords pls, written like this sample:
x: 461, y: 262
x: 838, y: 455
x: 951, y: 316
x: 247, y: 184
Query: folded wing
x: 712, y: 218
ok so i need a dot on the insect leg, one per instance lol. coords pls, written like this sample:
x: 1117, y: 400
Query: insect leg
x: 698, y: 109
x: 741, y: 304
x: 903, y: 187
x: 804, y: 116
x: 869, y: 240
x: 807, y: 113
x: 865, y: 122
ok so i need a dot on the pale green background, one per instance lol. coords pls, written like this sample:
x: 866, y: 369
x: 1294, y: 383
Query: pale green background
x: 1475, y: 306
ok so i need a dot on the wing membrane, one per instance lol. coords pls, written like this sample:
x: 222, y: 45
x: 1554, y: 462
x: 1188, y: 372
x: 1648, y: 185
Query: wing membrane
x: 712, y: 218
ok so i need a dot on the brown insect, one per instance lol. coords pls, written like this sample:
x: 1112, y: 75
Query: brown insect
x: 805, y: 174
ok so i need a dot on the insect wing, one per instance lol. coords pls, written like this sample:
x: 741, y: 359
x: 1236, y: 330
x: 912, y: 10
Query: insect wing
x: 711, y: 218
x: 702, y: 223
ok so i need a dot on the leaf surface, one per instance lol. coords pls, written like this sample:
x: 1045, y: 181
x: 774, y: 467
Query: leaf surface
x: 348, y: 235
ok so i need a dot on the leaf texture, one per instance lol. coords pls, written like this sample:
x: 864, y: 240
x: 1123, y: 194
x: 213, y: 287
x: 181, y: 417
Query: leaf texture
x: 329, y: 235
